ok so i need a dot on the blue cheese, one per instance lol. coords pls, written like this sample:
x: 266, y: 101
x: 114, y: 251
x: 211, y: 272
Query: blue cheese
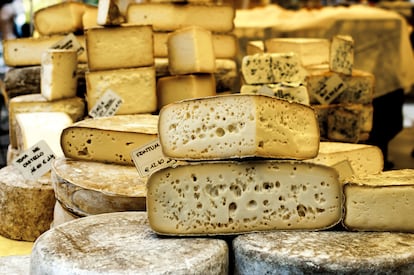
x: 341, y: 58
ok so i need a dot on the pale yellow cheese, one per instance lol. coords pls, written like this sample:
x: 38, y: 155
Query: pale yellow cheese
x: 9, y: 247
x: 135, y: 86
x: 254, y: 47
x: 89, y: 17
x: 297, y: 93
x: 108, y: 139
x: 175, y: 88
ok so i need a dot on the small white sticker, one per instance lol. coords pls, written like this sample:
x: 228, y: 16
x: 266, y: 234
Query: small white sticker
x: 330, y: 89
x: 107, y: 105
x: 69, y: 42
x: 35, y: 161
x: 150, y: 158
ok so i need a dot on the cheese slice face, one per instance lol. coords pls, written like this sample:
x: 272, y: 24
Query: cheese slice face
x: 58, y: 74
x: 254, y: 47
x: 380, y: 202
x: 210, y: 198
x: 108, y: 139
x: 135, y: 86
x: 341, y: 58
x: 112, y: 12
x: 296, y: 93
x: 237, y: 126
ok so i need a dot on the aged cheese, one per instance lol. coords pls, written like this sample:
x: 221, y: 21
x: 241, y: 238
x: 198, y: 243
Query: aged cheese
x: 112, y: 12
x: 380, y: 202
x: 62, y: 215
x: 329, y: 252
x: 272, y: 67
x: 117, y: 47
x: 16, y: 265
x: 88, y: 188
x: 254, y: 47
x: 234, y: 126
x: 190, y: 50
x: 311, y: 51
x: 297, y: 93
x: 170, y: 17
x: 360, y: 87
x: 58, y: 74
x: 223, y: 197
x: 364, y: 159
x: 33, y: 127
x: 135, y: 86
x: 74, y: 107
x: 28, y: 51
x: 108, y: 139
x: 341, y: 54
x: 89, y: 17
x: 123, y: 243
x: 26, y: 207
x: 175, y: 88
x: 224, y: 45
x: 68, y: 14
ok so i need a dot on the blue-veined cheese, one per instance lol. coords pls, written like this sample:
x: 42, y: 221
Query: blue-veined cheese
x: 341, y: 58
x: 297, y: 93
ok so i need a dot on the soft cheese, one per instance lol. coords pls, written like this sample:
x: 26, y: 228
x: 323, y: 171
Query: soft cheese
x: 234, y: 126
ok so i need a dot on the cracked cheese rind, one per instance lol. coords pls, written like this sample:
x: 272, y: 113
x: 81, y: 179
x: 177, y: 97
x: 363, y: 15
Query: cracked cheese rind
x: 237, y: 126
x: 108, y: 139
x: 380, y: 202
x: 122, y: 243
x: 208, y: 198
x: 87, y: 187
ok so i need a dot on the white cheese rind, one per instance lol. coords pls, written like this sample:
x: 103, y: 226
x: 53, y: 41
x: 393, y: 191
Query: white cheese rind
x: 105, y: 244
x: 236, y: 126
x: 112, y: 12
x: 15, y: 264
x: 61, y: 215
x: 208, y: 198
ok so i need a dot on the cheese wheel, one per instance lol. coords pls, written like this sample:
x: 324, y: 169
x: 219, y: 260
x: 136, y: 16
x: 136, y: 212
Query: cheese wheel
x: 26, y: 207
x: 16, y: 265
x: 123, y: 243
x: 329, y: 252
x: 87, y: 188
x: 61, y: 215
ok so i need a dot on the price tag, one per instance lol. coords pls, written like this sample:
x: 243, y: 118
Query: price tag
x: 331, y: 89
x: 69, y: 42
x: 36, y: 161
x: 107, y: 105
x: 150, y: 158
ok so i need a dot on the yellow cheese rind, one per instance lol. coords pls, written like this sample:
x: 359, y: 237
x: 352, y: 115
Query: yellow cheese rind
x: 238, y: 126
x: 210, y: 198
x: 108, y: 139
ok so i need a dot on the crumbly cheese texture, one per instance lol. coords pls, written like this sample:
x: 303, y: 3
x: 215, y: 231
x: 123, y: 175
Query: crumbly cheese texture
x: 117, y: 47
x: 237, y: 126
x: 341, y: 58
x: 296, y: 93
x: 112, y: 12
x: 380, y: 202
x: 58, y: 78
x: 170, y: 17
x: 208, y: 198
x: 268, y: 68
x: 190, y: 50
x: 311, y: 51
x: 108, y: 139
x: 89, y: 188
x: 123, y: 243
x: 135, y: 86
x: 175, y: 88
x: 26, y: 207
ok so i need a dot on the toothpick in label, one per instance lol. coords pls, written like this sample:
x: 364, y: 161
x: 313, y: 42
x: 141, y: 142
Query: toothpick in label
x: 107, y: 105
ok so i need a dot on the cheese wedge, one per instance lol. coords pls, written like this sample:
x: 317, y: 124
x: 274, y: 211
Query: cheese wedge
x: 117, y: 47
x: 341, y: 58
x: 212, y: 198
x: 237, y: 126
x: 112, y: 12
x: 108, y: 139
x: 87, y: 188
x: 254, y: 47
x: 297, y: 93
x: 135, y: 86
x: 380, y: 202
x: 170, y: 17
x: 62, y: 215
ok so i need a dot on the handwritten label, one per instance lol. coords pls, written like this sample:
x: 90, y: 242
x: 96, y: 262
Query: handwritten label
x: 69, y: 42
x: 150, y: 158
x: 330, y: 89
x: 107, y: 105
x: 36, y: 161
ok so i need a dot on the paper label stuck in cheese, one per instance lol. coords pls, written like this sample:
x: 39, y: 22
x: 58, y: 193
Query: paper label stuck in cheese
x: 69, y: 42
x: 107, y: 105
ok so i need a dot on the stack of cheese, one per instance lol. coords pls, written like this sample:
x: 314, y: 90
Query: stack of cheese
x: 341, y: 95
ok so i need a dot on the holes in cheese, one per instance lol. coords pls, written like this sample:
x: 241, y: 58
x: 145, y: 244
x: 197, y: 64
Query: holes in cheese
x: 235, y: 197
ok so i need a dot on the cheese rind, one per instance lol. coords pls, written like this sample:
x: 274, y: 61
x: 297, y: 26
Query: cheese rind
x: 237, y: 126
x: 104, y: 244
x: 88, y: 188
x: 61, y: 215
x: 208, y: 198
x: 108, y: 139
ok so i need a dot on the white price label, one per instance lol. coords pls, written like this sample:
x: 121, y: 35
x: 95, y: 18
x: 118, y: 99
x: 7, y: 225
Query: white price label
x: 36, y: 161
x: 331, y: 89
x: 69, y: 42
x: 107, y: 105
x: 150, y: 158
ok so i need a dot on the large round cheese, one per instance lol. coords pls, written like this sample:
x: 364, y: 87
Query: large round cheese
x: 123, y: 243
x: 328, y: 252
x: 26, y: 206
x: 88, y: 188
